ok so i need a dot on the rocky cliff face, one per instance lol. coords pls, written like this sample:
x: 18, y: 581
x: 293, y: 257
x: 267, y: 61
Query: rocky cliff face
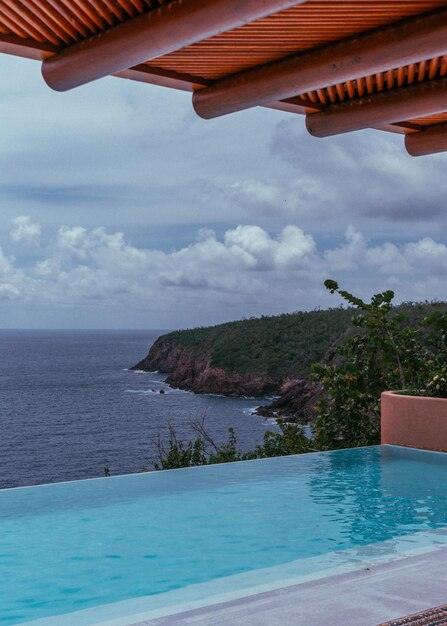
x: 194, y: 371
x: 297, y: 401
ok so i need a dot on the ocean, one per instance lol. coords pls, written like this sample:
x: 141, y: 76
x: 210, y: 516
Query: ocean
x: 69, y: 407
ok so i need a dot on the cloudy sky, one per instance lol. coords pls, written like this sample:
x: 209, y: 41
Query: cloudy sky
x: 120, y: 208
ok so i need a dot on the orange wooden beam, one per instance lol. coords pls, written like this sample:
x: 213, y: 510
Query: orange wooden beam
x: 295, y: 105
x: 154, y: 34
x: 429, y: 141
x: 405, y: 103
x: 164, y: 78
x: 151, y: 75
x: 377, y: 51
x: 400, y: 128
x: 26, y: 48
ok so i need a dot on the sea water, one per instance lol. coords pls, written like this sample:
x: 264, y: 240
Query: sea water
x: 69, y: 406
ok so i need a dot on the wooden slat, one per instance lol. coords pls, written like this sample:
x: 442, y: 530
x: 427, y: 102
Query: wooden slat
x: 150, y: 35
x: 439, y: 118
x: 314, y: 24
x: 144, y: 73
x: 401, y: 44
x: 40, y: 28
x: 11, y: 44
x: 381, y: 108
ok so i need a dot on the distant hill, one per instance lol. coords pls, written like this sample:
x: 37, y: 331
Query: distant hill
x: 255, y: 356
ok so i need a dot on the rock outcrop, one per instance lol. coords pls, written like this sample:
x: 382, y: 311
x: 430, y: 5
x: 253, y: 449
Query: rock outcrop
x: 297, y: 401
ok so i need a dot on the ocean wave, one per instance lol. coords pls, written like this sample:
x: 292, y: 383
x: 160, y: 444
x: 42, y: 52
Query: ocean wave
x: 176, y: 390
x: 270, y: 421
x: 223, y: 395
x: 211, y: 395
x: 249, y: 410
x: 147, y: 391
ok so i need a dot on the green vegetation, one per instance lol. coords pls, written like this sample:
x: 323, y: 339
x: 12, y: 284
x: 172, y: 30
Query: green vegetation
x: 393, y: 349
x: 204, y: 451
x: 284, y: 345
x: 386, y: 347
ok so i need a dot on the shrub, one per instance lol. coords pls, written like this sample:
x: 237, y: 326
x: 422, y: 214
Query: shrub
x: 203, y: 450
x: 387, y: 352
x: 388, y: 348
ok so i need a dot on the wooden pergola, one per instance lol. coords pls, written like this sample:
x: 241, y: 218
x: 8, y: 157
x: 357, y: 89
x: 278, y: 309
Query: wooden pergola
x: 344, y: 64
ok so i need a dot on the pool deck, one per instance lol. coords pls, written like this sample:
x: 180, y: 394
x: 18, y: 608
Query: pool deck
x: 364, y: 597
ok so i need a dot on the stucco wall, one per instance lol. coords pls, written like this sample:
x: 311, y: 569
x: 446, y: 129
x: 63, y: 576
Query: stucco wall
x: 414, y: 421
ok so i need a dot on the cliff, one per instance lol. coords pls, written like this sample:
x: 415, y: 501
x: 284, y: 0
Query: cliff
x: 251, y: 357
x: 297, y: 402
x: 261, y: 356
x: 194, y: 371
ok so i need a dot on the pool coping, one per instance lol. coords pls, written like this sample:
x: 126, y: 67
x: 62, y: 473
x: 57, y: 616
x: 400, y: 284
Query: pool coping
x: 382, y: 592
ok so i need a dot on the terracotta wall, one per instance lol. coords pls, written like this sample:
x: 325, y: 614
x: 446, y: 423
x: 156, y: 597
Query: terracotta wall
x: 414, y: 421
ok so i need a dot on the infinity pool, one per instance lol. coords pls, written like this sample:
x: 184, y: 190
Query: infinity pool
x: 117, y: 549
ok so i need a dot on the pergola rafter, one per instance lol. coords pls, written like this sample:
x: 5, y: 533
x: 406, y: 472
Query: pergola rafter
x: 429, y: 141
x: 387, y: 107
x: 346, y: 65
x: 410, y: 42
x: 150, y: 35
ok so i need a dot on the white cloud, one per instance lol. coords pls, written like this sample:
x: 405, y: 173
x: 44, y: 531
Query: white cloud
x: 350, y: 254
x: 135, y: 159
x: 388, y: 259
x: 25, y: 230
x: 252, y: 192
x: 13, y: 281
x: 365, y: 176
x: 431, y: 255
x: 83, y: 244
x: 246, y: 272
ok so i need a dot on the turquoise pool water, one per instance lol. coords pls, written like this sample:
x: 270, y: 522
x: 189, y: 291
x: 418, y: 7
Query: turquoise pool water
x: 72, y: 546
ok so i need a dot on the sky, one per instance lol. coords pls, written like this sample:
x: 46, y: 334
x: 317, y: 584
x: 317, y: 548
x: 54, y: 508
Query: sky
x: 121, y: 208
